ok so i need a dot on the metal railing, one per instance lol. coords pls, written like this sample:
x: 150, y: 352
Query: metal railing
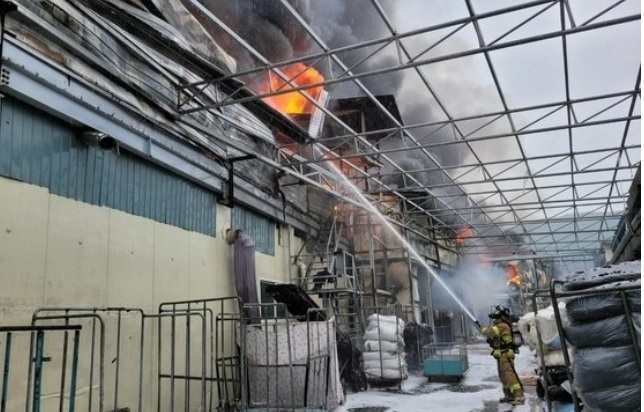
x: 12, y: 339
x: 190, y: 355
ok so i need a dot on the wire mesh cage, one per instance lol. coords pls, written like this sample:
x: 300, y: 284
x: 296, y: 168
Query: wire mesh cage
x: 445, y: 361
x: 290, y: 364
x: 384, y: 347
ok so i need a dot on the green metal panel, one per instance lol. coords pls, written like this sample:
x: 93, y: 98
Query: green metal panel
x: 39, y: 149
x: 261, y: 228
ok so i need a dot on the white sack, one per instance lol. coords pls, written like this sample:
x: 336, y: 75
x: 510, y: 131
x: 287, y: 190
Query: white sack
x: 556, y: 358
x: 385, y: 356
x: 382, y: 319
x: 383, y: 334
x: 374, y: 346
x: 547, y: 323
x: 392, y: 364
x: 377, y: 373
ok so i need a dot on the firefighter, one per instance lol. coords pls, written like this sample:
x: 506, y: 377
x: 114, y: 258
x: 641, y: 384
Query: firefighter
x: 499, y: 337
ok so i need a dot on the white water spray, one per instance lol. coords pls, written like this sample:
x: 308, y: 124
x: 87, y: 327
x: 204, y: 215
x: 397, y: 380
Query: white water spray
x: 400, y: 237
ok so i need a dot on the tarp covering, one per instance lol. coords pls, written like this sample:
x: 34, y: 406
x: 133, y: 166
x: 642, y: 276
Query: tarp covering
x: 244, y: 268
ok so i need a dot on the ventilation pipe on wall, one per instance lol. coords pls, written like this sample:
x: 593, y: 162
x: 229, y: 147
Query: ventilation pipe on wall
x: 93, y: 137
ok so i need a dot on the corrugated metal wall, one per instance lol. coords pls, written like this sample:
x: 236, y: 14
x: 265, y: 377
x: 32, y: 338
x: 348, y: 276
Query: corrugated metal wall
x: 39, y: 149
x: 260, y: 228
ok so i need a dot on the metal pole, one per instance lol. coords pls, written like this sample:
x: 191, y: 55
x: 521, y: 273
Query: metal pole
x: 38, y: 360
x: 5, y: 374
x: 118, y: 360
x: 74, y: 373
x: 63, y: 367
x: 91, y: 365
x: 186, y: 385
x: 564, y: 345
x: 141, y: 346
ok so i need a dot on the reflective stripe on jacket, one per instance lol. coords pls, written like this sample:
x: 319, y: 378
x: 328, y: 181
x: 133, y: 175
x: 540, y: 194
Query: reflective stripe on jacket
x: 500, y: 339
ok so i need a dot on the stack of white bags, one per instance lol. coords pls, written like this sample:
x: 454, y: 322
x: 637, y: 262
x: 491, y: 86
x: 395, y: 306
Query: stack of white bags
x: 384, y: 356
x: 550, y: 343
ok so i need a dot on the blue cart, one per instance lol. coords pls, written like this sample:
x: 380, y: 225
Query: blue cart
x: 445, y: 362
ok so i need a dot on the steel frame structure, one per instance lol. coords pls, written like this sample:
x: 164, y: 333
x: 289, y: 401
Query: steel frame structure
x: 557, y: 201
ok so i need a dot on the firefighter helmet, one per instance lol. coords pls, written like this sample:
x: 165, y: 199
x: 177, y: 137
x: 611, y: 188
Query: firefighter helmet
x: 503, y: 310
x: 499, y: 312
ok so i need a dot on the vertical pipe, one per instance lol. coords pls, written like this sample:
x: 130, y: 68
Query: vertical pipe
x: 118, y: 360
x: 101, y: 369
x: 212, y: 353
x: 564, y: 345
x: 5, y: 373
x: 91, y: 365
x: 203, y: 360
x: 172, y: 354
x: 30, y: 369
x: 535, y: 307
x: 372, y: 263
x: 328, y: 368
x: 226, y: 363
x: 40, y: 336
x: 536, y: 274
x: 141, y: 360
x: 159, y: 360
x: 186, y: 387
x: 63, y: 365
x: 242, y: 361
x: 267, y: 369
x: 308, y: 360
x: 290, y: 357
x: 74, y: 372
x: 220, y: 398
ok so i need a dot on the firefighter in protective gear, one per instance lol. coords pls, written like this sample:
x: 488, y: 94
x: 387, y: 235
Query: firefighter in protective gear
x: 499, y: 337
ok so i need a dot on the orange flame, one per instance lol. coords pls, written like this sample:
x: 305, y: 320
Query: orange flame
x: 463, y: 234
x: 512, y: 275
x: 293, y: 102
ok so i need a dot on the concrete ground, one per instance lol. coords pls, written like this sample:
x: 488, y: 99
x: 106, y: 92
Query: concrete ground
x: 478, y: 391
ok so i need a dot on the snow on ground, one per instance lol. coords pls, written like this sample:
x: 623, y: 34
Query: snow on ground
x: 479, y: 391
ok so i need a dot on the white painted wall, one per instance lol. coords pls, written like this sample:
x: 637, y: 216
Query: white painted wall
x: 59, y: 252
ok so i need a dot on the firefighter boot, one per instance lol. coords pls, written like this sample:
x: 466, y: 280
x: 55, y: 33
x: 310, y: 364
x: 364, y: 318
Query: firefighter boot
x: 507, y: 396
x: 518, y: 399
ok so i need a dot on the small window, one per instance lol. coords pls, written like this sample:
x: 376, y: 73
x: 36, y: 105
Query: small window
x: 274, y: 312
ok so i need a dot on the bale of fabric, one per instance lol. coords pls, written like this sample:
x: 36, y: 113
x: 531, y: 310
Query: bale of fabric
x: 607, y: 377
x: 618, y: 366
x: 605, y: 304
x: 625, y: 271
x: 613, y: 331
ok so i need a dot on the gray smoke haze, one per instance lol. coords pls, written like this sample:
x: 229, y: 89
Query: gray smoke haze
x: 342, y: 23
x: 267, y: 26
x: 274, y: 32
x: 478, y: 286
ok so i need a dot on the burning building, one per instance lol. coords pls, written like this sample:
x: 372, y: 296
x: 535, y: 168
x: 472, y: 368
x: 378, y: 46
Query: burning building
x: 133, y: 160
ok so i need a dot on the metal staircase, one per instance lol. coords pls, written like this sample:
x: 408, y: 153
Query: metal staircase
x: 330, y: 276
